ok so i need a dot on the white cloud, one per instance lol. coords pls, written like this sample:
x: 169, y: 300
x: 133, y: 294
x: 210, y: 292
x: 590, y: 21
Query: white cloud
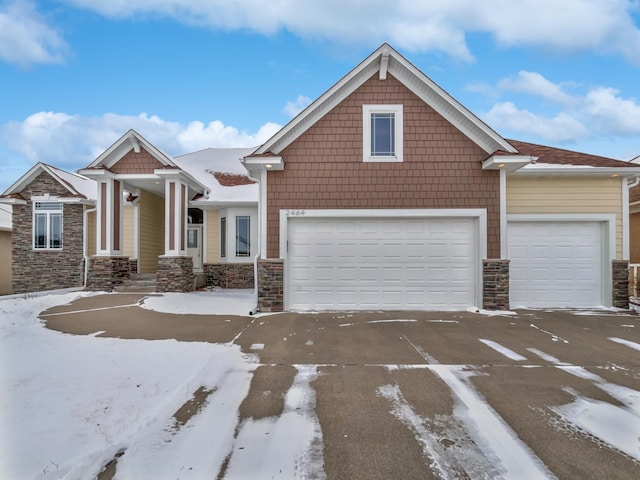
x: 293, y: 108
x: 611, y: 112
x: 535, y: 84
x: 592, y: 113
x: 604, y: 26
x: 25, y: 36
x: 559, y: 128
x: 73, y: 141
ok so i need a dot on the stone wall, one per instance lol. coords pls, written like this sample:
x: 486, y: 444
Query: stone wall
x: 106, y: 273
x: 620, y: 277
x: 229, y: 275
x: 38, y: 270
x: 270, y: 285
x: 175, y: 274
x: 495, y: 279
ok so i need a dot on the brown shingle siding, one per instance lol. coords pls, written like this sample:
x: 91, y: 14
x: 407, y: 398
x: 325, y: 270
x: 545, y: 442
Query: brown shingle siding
x: 133, y: 162
x: 441, y: 167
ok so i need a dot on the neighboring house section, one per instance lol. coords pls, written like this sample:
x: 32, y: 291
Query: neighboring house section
x: 5, y: 250
x: 47, y: 239
x: 135, y: 209
x: 386, y: 193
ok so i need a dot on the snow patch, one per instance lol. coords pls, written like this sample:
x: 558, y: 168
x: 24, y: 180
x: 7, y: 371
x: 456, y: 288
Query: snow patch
x: 491, y: 313
x: 553, y: 336
x: 75, y: 401
x: 503, y: 350
x: 215, y: 302
x: 288, y: 446
x: 626, y: 343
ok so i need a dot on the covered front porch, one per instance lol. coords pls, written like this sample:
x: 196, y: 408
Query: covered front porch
x: 142, y: 223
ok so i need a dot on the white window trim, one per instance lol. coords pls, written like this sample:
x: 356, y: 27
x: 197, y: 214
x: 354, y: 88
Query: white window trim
x: 367, y: 110
x: 35, y: 201
x: 231, y: 215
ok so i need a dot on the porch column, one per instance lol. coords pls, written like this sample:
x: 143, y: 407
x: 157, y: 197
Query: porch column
x: 175, y: 267
x: 108, y: 268
x: 176, y: 204
x: 109, y: 218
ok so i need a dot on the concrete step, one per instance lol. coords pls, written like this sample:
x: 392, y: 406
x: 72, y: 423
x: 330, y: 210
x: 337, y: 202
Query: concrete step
x: 139, y: 283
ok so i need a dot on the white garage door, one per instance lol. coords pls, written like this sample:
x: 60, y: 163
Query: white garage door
x: 381, y: 263
x: 555, y: 264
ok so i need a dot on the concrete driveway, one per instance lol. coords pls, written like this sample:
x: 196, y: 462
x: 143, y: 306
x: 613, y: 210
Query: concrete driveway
x: 538, y: 394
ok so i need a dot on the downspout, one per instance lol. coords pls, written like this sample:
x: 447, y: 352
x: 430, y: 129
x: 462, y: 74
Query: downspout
x: 255, y: 309
x: 627, y: 185
x: 85, y: 242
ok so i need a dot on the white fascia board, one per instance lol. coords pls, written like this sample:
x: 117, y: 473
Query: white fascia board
x: 96, y: 174
x: 219, y: 204
x: 12, y: 201
x: 33, y: 172
x: 179, y: 174
x: 130, y: 140
x: 323, y: 104
x: 413, y: 79
x: 534, y: 169
x: 257, y: 164
x: 510, y: 163
x: 447, y: 106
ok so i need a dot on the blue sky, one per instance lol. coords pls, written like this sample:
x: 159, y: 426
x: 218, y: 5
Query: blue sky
x: 190, y: 74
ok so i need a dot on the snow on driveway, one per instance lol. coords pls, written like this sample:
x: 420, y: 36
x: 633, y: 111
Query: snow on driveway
x: 210, y: 302
x: 70, y: 404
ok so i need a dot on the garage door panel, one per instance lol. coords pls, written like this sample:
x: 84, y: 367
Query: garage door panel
x: 556, y: 264
x: 381, y: 263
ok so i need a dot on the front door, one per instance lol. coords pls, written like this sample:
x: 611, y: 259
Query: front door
x: 194, y: 245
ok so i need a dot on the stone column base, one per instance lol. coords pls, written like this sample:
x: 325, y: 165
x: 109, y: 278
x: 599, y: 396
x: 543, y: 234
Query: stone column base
x: 271, y: 285
x: 175, y: 274
x: 106, y: 273
x: 495, y: 284
x: 620, y: 278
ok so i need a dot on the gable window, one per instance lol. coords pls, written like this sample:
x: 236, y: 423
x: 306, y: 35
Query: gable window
x: 243, y: 236
x: 382, y: 133
x: 223, y: 237
x: 47, y: 225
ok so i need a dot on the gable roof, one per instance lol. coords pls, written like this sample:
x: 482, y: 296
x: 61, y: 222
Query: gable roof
x: 382, y: 61
x: 553, y: 158
x: 127, y: 142
x: 77, y: 185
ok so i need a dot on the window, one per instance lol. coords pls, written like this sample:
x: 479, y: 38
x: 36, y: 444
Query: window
x: 223, y: 237
x: 47, y: 225
x: 382, y: 133
x: 243, y: 236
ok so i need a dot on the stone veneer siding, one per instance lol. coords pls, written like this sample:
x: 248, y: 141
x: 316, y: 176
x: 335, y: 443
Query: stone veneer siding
x: 106, y: 273
x: 38, y: 270
x: 270, y: 285
x: 620, y: 277
x: 175, y: 274
x: 229, y: 275
x: 495, y: 283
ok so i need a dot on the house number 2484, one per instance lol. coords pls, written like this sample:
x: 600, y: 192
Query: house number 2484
x: 295, y: 213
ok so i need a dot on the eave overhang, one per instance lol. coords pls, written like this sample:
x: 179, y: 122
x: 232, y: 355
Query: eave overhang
x: 260, y: 163
x: 510, y: 163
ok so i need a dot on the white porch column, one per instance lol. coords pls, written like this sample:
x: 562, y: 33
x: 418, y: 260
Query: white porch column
x: 175, y: 208
x: 109, y: 218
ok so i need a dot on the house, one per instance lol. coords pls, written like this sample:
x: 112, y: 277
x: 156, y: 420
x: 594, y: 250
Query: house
x: 5, y: 250
x: 136, y: 209
x: 386, y: 193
